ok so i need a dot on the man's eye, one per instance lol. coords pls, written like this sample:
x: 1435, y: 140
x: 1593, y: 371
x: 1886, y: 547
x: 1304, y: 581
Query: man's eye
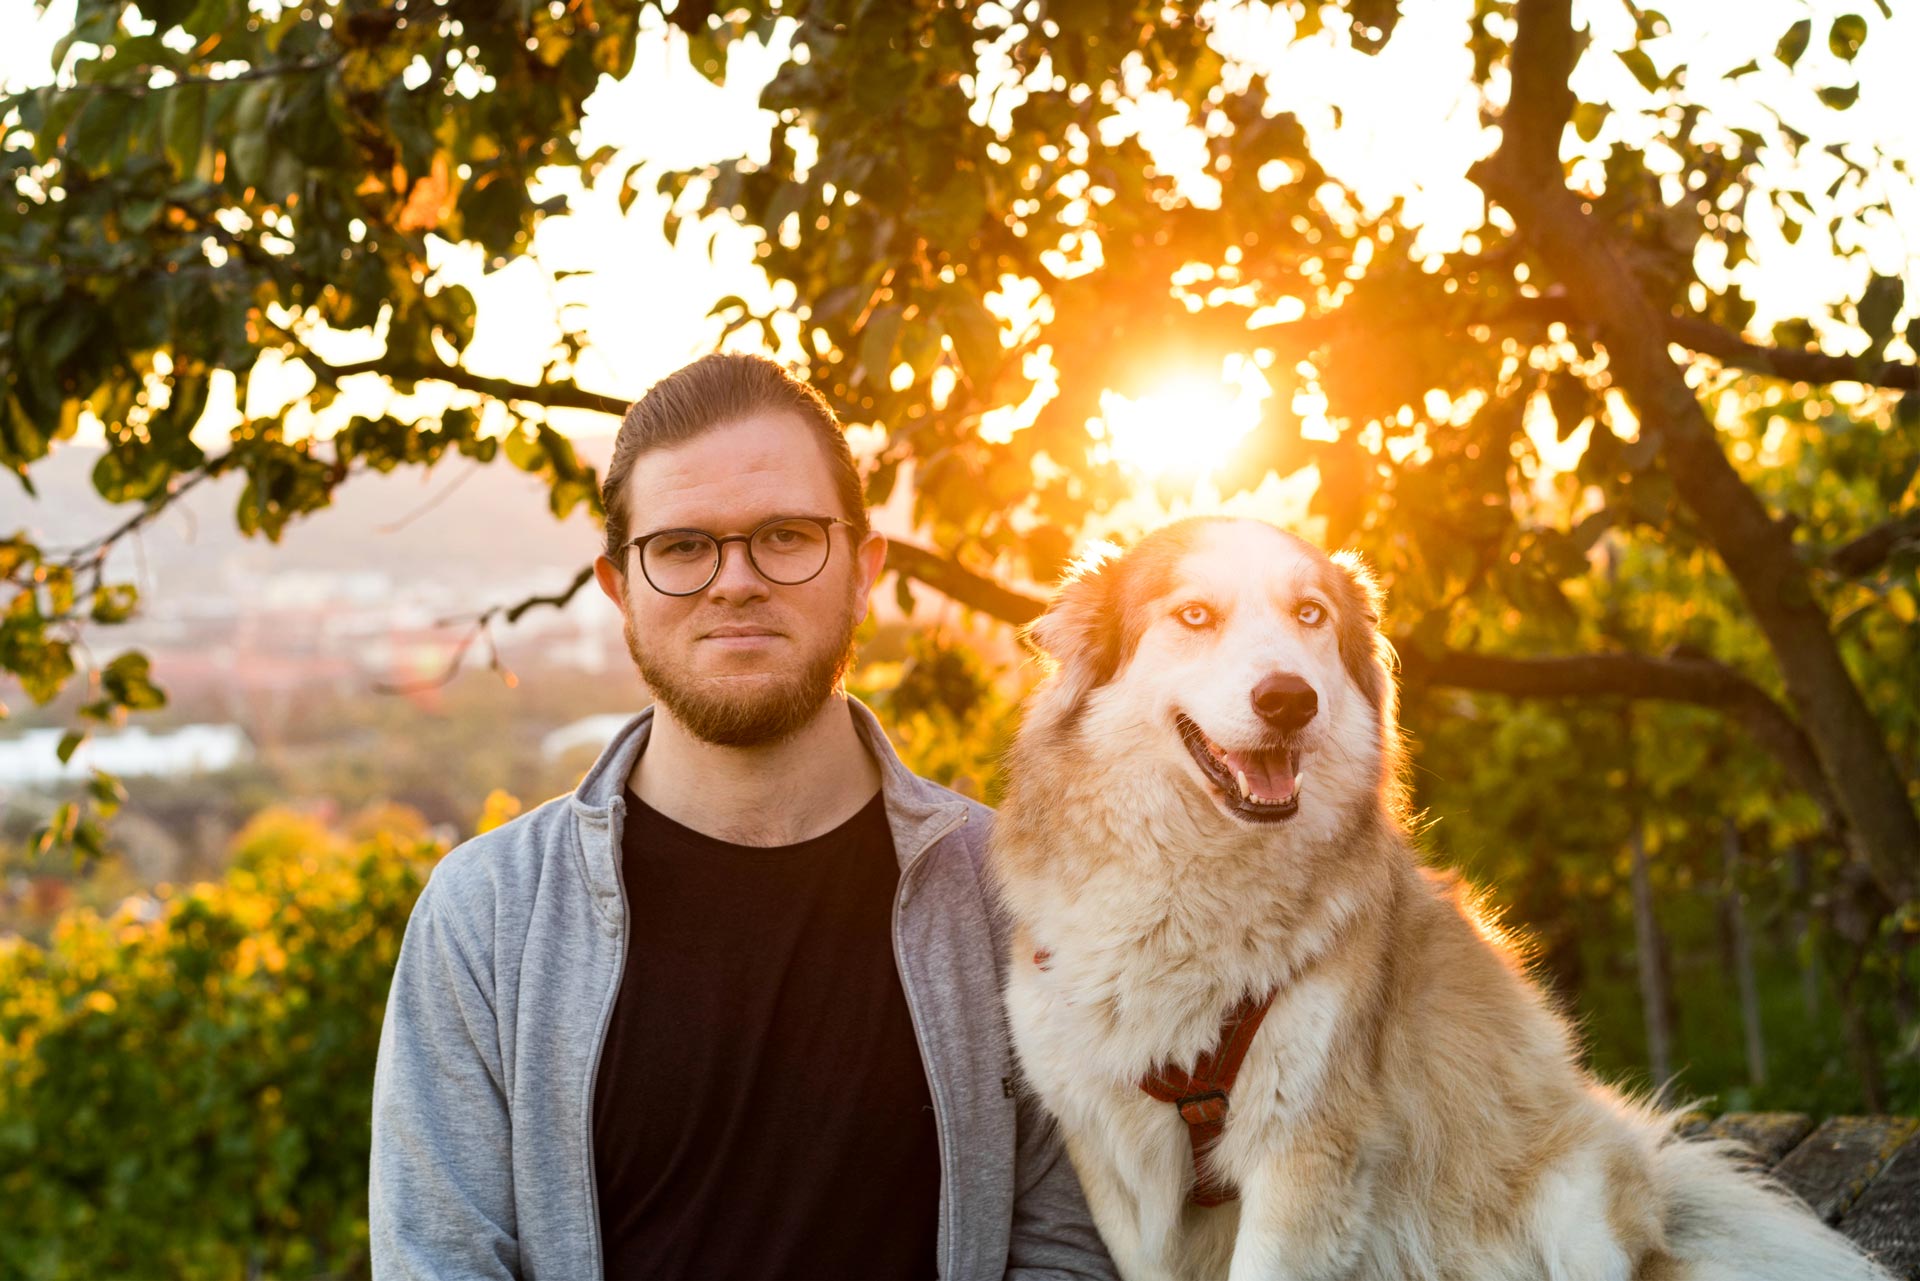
x: 1311, y: 613
x: 1195, y: 615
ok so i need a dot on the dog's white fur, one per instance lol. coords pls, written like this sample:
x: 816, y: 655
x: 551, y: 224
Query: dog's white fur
x: 1412, y: 1107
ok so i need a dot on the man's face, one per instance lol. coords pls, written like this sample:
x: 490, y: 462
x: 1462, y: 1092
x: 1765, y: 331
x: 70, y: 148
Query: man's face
x: 744, y: 662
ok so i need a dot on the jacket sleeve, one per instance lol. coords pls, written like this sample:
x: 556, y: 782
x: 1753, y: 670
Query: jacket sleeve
x: 1053, y: 1233
x: 440, y: 1194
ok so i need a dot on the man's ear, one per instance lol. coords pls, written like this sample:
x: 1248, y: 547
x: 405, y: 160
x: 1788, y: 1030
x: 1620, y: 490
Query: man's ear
x: 870, y: 560
x: 1080, y: 632
x: 613, y: 584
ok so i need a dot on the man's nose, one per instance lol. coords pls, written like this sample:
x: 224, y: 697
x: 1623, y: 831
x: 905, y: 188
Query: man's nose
x: 1285, y: 701
x: 737, y: 579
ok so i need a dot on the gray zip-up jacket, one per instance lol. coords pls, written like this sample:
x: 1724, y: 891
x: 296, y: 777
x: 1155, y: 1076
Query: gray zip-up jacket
x: 483, y: 1091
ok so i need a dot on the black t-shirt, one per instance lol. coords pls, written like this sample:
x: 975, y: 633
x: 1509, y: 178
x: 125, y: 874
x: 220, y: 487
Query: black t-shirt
x: 761, y: 1108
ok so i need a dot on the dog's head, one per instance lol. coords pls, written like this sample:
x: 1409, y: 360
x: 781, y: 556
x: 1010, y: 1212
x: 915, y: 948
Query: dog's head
x: 1233, y: 657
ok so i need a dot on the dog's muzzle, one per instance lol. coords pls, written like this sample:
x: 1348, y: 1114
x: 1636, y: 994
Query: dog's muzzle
x: 1258, y: 784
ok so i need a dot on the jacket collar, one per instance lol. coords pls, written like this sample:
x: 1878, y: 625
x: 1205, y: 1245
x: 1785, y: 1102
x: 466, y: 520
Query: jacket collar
x: 919, y: 812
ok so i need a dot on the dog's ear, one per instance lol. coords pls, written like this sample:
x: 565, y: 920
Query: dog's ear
x: 1080, y: 632
x: 1364, y: 648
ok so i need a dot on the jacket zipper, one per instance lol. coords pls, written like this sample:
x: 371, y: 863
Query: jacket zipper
x: 941, y: 1110
x: 600, y: 1038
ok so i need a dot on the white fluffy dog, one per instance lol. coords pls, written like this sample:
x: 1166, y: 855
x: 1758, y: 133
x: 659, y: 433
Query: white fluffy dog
x: 1203, y: 855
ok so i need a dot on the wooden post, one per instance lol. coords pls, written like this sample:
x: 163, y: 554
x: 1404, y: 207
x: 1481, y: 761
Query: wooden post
x: 1742, y: 946
x: 1653, y: 979
x: 1800, y: 865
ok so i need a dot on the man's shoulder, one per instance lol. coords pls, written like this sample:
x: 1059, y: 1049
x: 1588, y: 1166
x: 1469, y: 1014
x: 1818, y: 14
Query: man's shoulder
x: 503, y: 864
x: 979, y: 815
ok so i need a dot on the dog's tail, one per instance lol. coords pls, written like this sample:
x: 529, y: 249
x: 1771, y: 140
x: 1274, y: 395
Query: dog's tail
x: 1728, y: 1222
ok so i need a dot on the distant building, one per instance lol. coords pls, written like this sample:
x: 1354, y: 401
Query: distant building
x: 589, y: 731
x: 33, y: 758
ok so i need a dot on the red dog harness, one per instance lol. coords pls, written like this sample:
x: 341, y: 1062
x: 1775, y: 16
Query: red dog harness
x: 1201, y: 1095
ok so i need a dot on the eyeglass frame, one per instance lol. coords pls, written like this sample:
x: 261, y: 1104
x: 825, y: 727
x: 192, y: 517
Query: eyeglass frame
x: 826, y: 524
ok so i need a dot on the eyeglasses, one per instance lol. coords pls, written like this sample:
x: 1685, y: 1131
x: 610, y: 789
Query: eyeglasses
x: 787, y: 550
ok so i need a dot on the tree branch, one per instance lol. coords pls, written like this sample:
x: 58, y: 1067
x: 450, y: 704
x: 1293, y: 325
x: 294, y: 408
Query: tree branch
x: 552, y: 395
x: 133, y: 89
x: 1695, y: 333
x: 1868, y: 552
x: 975, y: 591
x: 482, y: 626
x: 1729, y: 348
x: 95, y: 550
x: 1699, y: 681
x: 1695, y: 680
x: 1524, y: 175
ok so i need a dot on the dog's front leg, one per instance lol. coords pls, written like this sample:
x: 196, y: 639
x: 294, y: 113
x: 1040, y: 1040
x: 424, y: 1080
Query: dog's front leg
x: 1136, y: 1208
x: 1299, y: 1213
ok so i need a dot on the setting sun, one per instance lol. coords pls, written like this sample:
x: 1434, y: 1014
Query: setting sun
x: 1184, y: 428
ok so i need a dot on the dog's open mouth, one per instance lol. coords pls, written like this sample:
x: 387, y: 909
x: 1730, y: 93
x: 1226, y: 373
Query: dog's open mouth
x: 1262, y: 785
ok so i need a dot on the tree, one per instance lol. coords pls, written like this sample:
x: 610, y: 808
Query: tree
x: 227, y: 187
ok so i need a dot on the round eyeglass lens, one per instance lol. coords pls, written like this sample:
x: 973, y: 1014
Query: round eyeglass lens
x: 789, y: 551
x: 680, y: 562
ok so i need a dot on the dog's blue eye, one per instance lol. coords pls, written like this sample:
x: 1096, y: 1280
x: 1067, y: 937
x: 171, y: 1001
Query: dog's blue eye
x: 1311, y: 613
x: 1195, y: 615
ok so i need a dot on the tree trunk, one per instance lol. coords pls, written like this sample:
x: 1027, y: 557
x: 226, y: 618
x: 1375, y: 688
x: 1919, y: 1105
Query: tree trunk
x: 1800, y: 879
x: 1740, y: 943
x: 1860, y: 1044
x: 1526, y: 177
x: 1656, y: 1002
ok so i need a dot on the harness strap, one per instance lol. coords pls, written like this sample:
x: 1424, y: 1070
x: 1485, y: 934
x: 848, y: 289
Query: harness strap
x: 1201, y: 1095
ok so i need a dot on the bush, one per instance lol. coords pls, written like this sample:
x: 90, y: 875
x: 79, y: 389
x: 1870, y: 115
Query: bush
x: 186, y: 1084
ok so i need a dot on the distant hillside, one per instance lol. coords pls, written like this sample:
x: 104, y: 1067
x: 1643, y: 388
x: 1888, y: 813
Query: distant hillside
x: 481, y: 526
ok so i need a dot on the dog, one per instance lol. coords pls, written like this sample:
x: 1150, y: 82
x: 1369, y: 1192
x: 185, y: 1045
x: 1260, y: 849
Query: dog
x: 1203, y: 856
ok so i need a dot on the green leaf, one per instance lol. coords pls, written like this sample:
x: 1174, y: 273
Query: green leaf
x: 184, y: 124
x: 1587, y: 119
x: 707, y: 56
x: 1642, y: 68
x: 1848, y: 33
x: 876, y: 344
x: 69, y: 744
x: 523, y: 450
x: 1794, y: 42
x: 974, y: 330
x: 1878, y: 305
x: 1840, y: 98
x: 1746, y: 68
x: 115, y: 603
x: 106, y: 793
x: 128, y: 681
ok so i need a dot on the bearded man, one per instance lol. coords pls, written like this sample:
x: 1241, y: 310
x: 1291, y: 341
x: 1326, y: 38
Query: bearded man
x: 731, y: 1008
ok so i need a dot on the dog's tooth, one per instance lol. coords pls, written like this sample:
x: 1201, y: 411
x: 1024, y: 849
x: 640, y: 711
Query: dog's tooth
x: 1241, y: 776
x: 1299, y: 781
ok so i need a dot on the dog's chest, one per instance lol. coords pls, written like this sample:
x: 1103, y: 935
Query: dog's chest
x: 1087, y: 1037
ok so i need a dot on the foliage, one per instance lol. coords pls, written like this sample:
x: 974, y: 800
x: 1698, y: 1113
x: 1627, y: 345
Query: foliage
x: 1581, y: 469
x: 950, y: 716
x: 186, y: 1084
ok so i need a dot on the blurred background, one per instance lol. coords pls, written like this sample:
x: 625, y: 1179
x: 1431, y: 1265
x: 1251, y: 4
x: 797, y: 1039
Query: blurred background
x: 1591, y: 330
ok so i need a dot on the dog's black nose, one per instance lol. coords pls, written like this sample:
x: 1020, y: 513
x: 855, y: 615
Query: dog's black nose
x: 1285, y: 701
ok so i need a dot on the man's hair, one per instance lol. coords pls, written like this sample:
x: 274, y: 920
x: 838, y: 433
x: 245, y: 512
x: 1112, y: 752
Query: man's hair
x: 712, y: 392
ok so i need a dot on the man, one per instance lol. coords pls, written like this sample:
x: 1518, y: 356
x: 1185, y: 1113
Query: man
x: 732, y: 1007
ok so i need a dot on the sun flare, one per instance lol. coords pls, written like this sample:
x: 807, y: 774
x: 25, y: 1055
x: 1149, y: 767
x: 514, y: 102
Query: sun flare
x: 1184, y: 428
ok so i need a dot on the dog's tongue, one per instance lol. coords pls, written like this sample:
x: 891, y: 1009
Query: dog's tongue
x: 1269, y: 774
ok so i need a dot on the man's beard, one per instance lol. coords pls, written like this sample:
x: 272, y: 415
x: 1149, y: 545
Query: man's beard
x: 771, y: 710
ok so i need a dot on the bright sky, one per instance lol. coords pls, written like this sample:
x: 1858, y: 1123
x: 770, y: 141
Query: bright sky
x: 1410, y: 128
